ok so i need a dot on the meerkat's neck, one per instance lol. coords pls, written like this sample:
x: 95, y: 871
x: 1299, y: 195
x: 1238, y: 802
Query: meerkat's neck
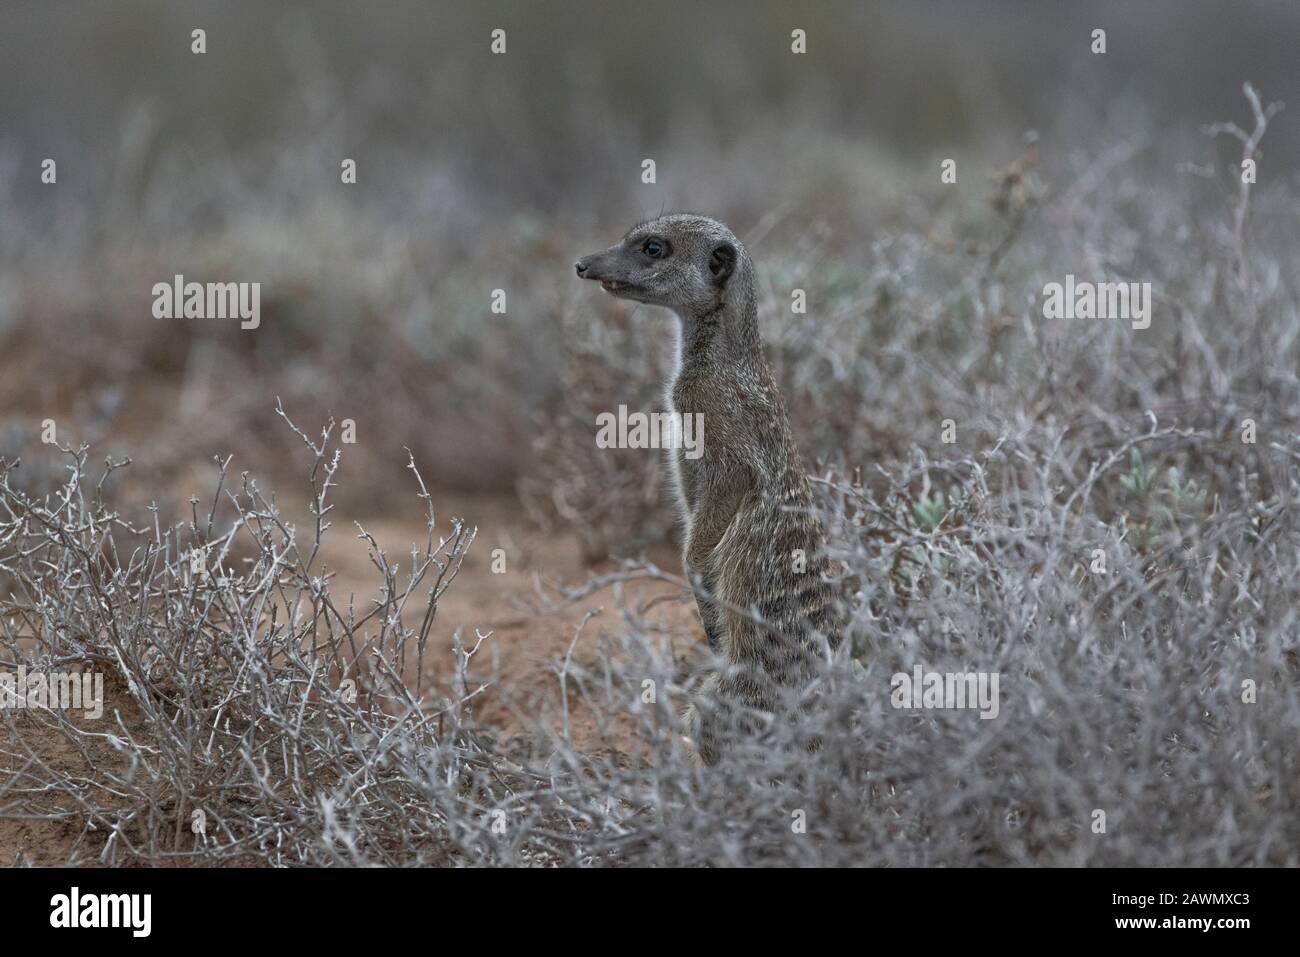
x: 725, y: 336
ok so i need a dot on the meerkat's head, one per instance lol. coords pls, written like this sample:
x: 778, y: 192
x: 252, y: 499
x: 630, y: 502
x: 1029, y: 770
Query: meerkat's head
x: 682, y: 261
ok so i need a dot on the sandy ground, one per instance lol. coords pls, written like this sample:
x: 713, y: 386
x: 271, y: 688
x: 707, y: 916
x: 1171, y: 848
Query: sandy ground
x: 521, y: 659
x: 526, y: 648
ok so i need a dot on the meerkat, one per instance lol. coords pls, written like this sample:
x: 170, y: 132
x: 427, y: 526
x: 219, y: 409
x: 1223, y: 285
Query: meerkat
x: 753, y: 550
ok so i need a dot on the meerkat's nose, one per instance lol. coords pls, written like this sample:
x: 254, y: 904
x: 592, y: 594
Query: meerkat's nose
x: 581, y: 268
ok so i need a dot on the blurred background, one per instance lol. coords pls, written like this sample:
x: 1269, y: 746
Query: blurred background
x: 478, y: 172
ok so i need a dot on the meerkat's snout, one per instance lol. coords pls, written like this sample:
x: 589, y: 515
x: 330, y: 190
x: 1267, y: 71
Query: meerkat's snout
x: 597, y: 267
x: 594, y: 266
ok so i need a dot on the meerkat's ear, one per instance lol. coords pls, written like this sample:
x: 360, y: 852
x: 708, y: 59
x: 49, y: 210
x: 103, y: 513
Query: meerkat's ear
x: 722, y: 262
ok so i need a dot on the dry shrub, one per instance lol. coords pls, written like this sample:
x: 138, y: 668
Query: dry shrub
x: 1081, y: 446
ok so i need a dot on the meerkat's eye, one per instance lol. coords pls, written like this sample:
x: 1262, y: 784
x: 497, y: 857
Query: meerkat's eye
x: 655, y: 248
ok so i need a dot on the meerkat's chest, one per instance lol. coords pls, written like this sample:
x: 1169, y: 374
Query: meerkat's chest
x: 680, y: 470
x: 692, y: 457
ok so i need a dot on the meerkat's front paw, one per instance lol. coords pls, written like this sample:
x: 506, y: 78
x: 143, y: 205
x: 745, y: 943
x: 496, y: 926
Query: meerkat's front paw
x: 696, y: 739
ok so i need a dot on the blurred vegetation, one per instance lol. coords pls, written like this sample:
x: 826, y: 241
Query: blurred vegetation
x: 475, y: 173
x: 478, y: 172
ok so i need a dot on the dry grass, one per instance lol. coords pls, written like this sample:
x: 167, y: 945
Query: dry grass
x: 1121, y: 691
